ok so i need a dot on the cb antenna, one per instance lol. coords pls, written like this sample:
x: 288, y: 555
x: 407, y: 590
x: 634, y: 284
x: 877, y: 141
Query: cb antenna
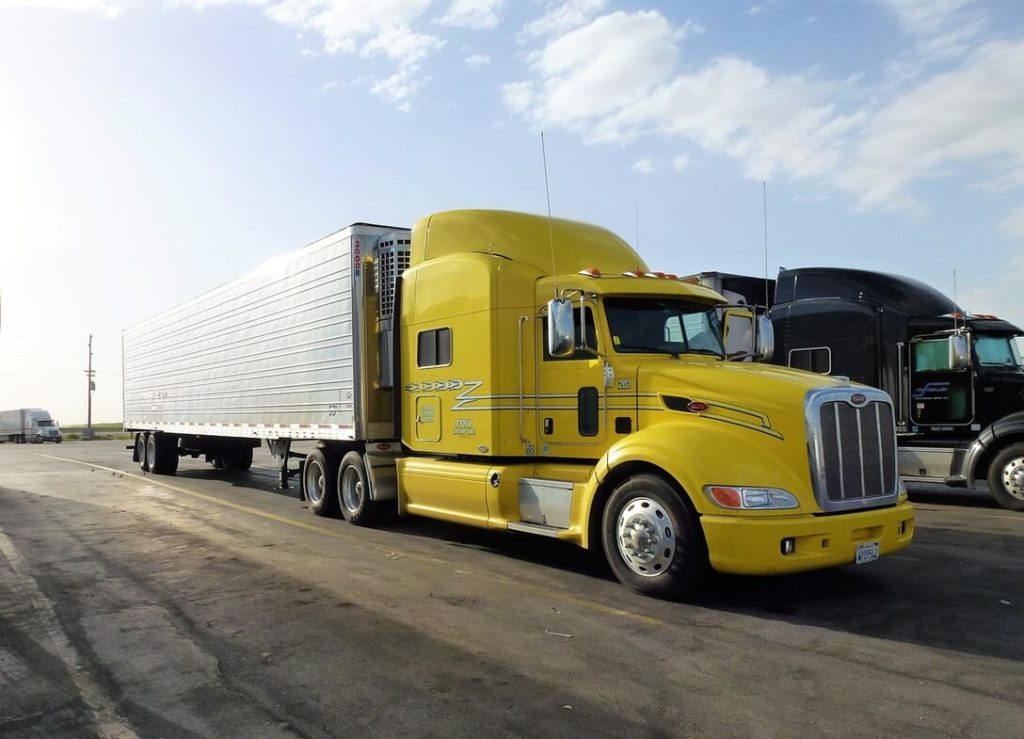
x: 956, y: 305
x: 764, y: 186
x: 551, y: 228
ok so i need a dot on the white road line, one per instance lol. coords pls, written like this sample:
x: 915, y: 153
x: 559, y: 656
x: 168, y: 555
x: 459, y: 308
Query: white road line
x: 109, y: 724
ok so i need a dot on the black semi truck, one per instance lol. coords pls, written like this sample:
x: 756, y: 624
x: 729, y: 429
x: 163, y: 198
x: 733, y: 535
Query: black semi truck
x: 957, y: 380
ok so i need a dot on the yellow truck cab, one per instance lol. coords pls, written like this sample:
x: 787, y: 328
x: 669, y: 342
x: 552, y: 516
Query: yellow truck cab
x: 636, y: 435
x: 527, y: 374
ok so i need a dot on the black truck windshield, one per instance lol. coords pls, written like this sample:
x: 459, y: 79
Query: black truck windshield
x: 663, y: 326
x: 996, y: 351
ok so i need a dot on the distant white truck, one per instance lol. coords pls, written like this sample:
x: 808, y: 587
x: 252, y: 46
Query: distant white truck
x: 22, y: 425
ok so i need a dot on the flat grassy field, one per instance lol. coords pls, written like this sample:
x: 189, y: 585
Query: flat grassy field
x: 100, y: 431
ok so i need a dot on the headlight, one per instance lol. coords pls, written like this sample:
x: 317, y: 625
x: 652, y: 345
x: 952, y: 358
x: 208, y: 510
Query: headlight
x: 735, y: 498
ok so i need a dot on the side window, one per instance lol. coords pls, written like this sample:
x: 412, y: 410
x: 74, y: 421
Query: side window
x: 591, y: 330
x: 816, y: 359
x: 434, y: 348
x: 931, y: 355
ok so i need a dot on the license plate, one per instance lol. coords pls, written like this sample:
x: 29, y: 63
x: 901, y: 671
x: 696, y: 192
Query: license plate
x: 867, y: 551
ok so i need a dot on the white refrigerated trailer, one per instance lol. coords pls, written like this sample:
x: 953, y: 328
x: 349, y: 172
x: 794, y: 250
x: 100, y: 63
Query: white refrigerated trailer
x: 289, y: 351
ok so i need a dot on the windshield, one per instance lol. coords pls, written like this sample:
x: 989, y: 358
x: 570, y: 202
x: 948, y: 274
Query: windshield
x: 996, y: 351
x: 663, y: 326
x: 45, y: 422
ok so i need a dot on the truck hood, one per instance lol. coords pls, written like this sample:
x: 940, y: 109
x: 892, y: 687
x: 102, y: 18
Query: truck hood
x: 759, y: 396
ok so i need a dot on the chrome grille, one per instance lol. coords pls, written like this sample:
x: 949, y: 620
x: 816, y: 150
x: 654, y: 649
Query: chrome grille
x: 852, y: 448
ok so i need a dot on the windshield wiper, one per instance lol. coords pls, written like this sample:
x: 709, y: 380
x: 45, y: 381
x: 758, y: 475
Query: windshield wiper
x: 709, y: 352
x: 641, y: 348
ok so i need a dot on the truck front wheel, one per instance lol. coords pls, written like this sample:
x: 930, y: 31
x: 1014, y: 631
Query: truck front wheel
x: 1006, y: 477
x: 652, y: 541
x: 318, y: 475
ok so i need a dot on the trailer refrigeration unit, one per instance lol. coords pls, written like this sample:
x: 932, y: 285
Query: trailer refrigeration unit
x: 523, y: 374
x: 957, y: 379
x: 22, y: 425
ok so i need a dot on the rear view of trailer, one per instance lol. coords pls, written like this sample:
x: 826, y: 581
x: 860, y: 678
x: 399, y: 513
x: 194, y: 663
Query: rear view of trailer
x: 286, y: 352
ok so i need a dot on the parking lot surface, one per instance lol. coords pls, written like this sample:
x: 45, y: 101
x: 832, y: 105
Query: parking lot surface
x: 212, y: 605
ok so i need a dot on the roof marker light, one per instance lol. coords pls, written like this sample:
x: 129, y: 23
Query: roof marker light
x: 590, y: 272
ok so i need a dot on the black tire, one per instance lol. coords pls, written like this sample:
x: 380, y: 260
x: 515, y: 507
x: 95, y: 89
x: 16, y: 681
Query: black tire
x: 354, y: 492
x: 162, y: 454
x: 59, y: 439
x: 140, y: 452
x: 652, y: 541
x: 1006, y: 477
x: 235, y: 457
x: 318, y: 482
x: 167, y: 453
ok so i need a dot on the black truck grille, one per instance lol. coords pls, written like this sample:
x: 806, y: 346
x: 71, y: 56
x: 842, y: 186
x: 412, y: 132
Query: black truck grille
x: 853, y: 448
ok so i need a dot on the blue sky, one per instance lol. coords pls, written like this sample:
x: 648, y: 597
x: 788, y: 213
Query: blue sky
x: 152, y: 149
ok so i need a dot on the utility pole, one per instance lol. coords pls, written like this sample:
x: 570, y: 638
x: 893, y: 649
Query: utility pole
x: 92, y: 386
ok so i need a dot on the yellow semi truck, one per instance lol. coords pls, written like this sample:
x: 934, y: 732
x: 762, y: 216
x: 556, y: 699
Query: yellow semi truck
x: 528, y: 374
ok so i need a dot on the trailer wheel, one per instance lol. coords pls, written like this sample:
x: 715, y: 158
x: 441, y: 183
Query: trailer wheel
x: 1006, y: 477
x: 653, y: 542
x: 236, y: 458
x: 167, y: 453
x: 318, y: 475
x: 140, y: 452
x: 152, y: 461
x: 354, y: 492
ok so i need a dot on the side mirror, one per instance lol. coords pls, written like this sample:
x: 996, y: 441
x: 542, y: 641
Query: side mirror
x: 738, y: 333
x: 959, y: 352
x: 764, y: 340
x: 561, y: 332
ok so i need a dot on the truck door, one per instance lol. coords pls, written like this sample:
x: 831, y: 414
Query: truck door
x: 570, y: 395
x: 940, y: 393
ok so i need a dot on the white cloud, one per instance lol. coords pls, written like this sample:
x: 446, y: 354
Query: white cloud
x: 478, y: 14
x: 941, y: 30
x: 645, y: 166
x: 616, y: 80
x: 604, y: 67
x: 474, y: 61
x: 382, y: 28
x: 967, y: 117
x: 563, y: 17
x: 681, y: 162
x: 925, y: 17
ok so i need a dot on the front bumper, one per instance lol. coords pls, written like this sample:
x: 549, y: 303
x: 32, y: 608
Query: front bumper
x: 753, y: 546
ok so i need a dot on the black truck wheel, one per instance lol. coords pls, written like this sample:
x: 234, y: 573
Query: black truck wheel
x: 318, y: 480
x: 653, y: 542
x: 1006, y: 477
x: 354, y: 492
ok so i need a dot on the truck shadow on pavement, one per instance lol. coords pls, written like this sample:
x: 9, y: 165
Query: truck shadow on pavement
x: 952, y: 589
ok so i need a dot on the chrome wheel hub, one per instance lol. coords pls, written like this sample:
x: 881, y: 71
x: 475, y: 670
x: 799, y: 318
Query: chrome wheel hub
x: 315, y: 483
x: 351, y: 489
x: 1013, y: 477
x: 646, y: 538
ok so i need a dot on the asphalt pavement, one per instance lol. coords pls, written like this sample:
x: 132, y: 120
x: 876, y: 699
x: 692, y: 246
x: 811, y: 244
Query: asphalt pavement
x: 212, y: 605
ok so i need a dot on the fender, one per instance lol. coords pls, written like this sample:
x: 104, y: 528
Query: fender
x: 965, y: 466
x: 696, y: 452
